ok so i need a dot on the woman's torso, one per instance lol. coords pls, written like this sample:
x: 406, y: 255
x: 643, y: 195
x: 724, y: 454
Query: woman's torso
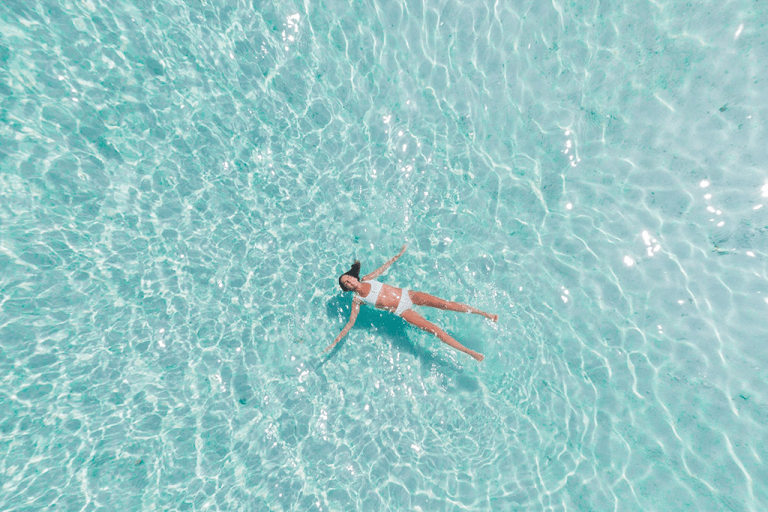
x: 388, y: 296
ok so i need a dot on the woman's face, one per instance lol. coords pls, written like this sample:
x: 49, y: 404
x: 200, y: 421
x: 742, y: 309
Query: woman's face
x: 350, y: 282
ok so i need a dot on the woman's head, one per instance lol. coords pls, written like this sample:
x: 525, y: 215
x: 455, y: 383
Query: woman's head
x: 353, y: 272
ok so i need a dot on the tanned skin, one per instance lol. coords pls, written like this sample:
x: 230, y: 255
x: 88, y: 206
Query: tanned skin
x: 389, y: 298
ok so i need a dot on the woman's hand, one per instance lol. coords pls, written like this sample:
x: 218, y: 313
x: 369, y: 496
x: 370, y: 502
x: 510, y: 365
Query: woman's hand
x: 329, y: 347
x: 376, y: 273
x: 350, y: 323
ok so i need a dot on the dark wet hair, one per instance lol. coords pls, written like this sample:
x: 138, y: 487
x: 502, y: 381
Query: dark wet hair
x: 354, y: 272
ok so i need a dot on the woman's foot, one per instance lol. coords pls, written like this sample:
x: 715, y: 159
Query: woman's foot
x: 477, y: 356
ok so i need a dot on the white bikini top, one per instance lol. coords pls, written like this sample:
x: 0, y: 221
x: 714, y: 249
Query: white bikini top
x: 373, y: 295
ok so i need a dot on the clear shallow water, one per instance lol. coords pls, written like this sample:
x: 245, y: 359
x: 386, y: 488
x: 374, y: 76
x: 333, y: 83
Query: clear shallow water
x: 182, y: 183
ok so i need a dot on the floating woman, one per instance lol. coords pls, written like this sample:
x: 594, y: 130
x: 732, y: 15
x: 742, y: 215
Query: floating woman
x: 400, y: 301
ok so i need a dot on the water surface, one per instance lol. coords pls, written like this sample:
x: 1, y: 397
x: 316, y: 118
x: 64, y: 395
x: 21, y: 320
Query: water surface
x: 181, y: 183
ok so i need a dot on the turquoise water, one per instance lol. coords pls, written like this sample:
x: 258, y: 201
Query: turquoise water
x: 181, y: 184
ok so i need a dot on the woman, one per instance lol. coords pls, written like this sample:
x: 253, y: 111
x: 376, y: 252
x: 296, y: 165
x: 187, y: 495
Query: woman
x: 399, y: 301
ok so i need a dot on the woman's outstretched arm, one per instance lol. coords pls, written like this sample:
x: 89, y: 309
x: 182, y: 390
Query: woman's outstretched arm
x: 376, y: 273
x: 350, y: 323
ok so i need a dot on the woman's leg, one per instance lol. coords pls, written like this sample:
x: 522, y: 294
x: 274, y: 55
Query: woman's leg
x: 425, y: 299
x: 419, y: 321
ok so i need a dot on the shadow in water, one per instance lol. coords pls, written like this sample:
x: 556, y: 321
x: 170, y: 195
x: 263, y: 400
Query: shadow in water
x: 395, y: 330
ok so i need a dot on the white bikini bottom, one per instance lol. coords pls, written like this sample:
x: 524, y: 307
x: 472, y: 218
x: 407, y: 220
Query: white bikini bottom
x: 405, y: 303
